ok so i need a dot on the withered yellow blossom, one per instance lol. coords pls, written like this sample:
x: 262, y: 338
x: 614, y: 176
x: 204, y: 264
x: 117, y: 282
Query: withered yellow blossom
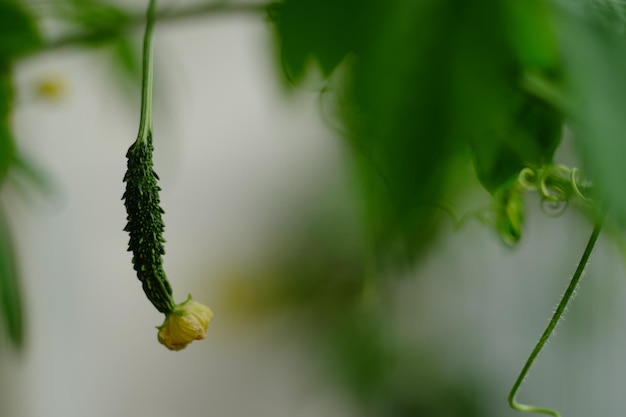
x: 187, y: 322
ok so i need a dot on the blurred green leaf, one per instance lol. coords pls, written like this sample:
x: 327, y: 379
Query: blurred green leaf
x: 99, y: 19
x: 527, y: 128
x: 18, y: 35
x: 528, y: 136
x: 10, y: 297
x: 322, y: 31
x: 427, y: 79
x: 612, y: 12
x: 7, y: 149
x: 531, y: 32
x: 127, y: 58
x: 101, y: 25
x: 437, y: 75
x: 18, y: 32
x: 594, y: 57
x: 7, y: 146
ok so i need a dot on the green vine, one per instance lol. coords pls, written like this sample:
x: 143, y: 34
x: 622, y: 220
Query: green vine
x: 558, y: 313
x: 556, y: 186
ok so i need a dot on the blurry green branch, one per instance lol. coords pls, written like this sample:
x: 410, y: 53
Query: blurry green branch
x: 132, y: 21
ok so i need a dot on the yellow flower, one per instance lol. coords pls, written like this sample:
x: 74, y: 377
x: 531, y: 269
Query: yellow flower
x: 51, y: 87
x: 186, y: 323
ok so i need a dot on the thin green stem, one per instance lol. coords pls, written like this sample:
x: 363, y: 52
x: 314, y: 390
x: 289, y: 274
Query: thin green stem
x: 558, y: 313
x: 145, y: 121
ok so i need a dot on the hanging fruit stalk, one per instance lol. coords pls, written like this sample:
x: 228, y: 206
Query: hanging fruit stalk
x: 188, y: 320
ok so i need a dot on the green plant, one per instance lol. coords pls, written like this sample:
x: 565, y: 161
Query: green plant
x: 419, y: 86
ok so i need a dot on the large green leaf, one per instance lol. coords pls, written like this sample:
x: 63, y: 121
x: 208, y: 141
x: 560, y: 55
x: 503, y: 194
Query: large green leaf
x: 10, y: 297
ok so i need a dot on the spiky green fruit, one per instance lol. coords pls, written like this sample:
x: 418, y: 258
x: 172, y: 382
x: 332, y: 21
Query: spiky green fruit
x: 145, y: 224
